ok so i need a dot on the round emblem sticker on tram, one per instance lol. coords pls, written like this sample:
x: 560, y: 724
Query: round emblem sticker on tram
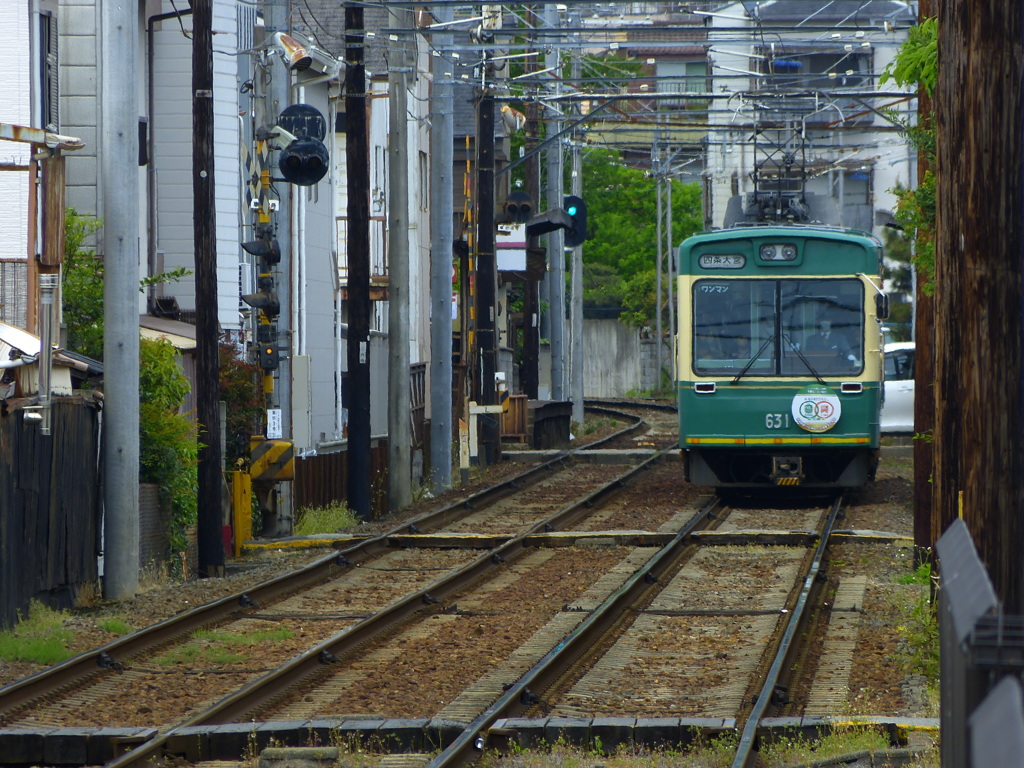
x: 816, y: 408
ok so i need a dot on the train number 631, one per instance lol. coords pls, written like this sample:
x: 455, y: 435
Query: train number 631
x: 776, y: 420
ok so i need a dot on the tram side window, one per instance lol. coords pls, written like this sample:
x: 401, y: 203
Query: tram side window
x: 822, y: 326
x: 732, y: 321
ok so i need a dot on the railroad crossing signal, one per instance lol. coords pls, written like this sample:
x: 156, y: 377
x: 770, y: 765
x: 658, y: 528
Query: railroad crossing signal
x: 269, y: 355
x: 518, y: 207
x: 270, y: 358
x: 265, y: 298
x: 304, y: 160
x: 265, y: 247
x: 577, y: 210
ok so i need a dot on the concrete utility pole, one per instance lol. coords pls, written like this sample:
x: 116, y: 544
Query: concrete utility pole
x: 119, y: 150
x: 399, y: 406
x: 576, y: 313
x: 357, y: 158
x: 556, y: 239
x: 442, y: 158
x: 204, y: 223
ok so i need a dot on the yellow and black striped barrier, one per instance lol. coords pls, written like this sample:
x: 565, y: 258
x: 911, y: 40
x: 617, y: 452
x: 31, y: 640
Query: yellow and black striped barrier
x: 271, y: 459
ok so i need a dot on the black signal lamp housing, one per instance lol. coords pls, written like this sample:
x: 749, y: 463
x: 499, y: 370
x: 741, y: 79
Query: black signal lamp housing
x: 304, y: 161
x: 518, y: 207
x: 266, y: 248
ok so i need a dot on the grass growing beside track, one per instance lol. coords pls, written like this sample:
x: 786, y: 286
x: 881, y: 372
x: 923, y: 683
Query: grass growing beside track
x: 330, y: 519
x: 218, y: 647
x: 41, y: 637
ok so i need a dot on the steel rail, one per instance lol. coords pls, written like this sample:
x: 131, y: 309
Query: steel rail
x: 466, y: 747
x: 112, y: 655
x: 745, y: 755
x: 262, y: 692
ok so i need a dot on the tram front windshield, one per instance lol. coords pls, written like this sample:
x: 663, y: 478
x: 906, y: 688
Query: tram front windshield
x: 783, y: 327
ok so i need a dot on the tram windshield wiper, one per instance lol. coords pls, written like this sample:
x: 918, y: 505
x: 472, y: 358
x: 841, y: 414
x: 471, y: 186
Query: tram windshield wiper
x: 753, y: 360
x: 796, y: 348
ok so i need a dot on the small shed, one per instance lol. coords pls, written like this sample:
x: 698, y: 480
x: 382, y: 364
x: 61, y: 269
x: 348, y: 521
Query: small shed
x: 19, y: 365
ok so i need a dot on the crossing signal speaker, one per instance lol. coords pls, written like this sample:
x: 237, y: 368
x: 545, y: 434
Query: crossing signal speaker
x: 265, y: 248
x: 265, y: 299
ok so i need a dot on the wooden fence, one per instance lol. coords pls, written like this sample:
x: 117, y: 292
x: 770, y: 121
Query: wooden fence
x: 49, y: 507
x: 322, y: 480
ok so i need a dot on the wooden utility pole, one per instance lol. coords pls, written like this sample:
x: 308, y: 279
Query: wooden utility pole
x: 979, y: 376
x: 926, y: 533
x: 529, y: 374
x: 211, y: 478
x: 358, y: 247
x: 486, y: 275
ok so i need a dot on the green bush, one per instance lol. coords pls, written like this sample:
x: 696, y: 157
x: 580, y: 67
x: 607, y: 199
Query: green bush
x: 168, y: 449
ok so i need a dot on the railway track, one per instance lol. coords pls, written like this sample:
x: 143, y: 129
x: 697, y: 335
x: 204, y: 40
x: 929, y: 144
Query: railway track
x: 628, y: 576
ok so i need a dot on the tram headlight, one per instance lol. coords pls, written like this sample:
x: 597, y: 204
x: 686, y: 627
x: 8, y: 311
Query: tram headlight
x: 778, y: 252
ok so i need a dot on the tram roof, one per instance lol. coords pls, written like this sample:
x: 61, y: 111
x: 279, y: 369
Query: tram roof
x: 747, y: 231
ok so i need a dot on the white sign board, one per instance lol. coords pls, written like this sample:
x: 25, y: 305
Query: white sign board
x: 274, y: 431
x: 510, y: 248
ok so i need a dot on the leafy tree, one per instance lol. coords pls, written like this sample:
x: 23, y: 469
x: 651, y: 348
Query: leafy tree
x: 917, y: 64
x: 82, y: 286
x: 621, y: 248
x: 241, y: 390
x: 898, y: 273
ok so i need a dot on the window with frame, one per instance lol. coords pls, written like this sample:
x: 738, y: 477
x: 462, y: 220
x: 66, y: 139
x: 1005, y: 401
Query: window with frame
x: 784, y: 327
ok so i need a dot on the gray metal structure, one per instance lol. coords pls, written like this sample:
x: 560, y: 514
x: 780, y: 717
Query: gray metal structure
x: 981, y: 648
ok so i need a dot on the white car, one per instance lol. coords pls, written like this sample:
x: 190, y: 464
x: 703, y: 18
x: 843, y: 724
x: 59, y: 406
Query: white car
x: 898, y: 406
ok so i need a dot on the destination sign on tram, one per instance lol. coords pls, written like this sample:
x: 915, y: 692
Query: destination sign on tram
x: 722, y: 261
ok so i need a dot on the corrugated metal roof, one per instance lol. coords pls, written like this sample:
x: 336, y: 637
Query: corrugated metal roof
x: 181, y: 335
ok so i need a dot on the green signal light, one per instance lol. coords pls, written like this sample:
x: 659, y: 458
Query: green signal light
x: 572, y: 210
